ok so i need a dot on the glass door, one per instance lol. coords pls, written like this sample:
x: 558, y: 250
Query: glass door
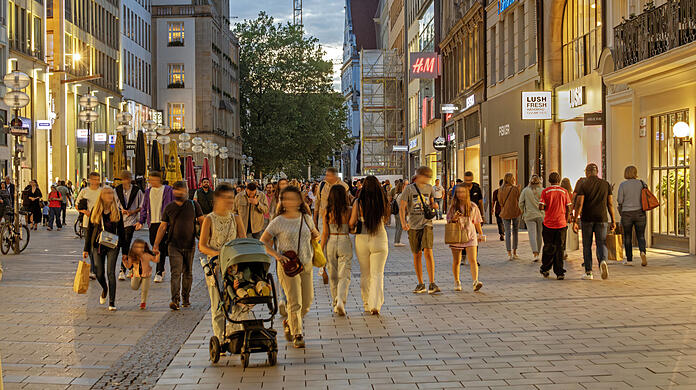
x: 670, y: 183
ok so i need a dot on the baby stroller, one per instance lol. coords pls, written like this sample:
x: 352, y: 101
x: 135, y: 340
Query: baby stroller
x: 246, y: 255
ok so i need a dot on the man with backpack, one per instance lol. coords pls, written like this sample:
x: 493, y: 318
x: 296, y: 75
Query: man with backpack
x: 179, y: 223
x: 129, y: 199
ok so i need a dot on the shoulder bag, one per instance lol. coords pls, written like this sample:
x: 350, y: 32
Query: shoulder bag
x: 318, y: 258
x: 107, y: 239
x: 428, y: 212
x: 648, y: 200
x: 294, y: 266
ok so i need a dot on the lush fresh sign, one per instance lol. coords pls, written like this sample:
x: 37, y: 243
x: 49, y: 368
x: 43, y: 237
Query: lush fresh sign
x: 504, y: 4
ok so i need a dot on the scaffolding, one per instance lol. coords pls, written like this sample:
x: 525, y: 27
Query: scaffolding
x: 381, y: 113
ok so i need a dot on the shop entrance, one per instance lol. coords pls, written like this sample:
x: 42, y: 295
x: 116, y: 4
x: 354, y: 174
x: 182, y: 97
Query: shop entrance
x: 670, y: 182
x: 500, y: 165
x: 580, y: 145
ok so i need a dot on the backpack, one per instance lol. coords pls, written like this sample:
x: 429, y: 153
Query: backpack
x: 394, y: 207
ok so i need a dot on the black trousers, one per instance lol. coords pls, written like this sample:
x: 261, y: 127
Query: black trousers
x: 552, y: 254
x: 63, y: 207
x: 162, y: 247
x: 128, y: 237
x: 499, y: 221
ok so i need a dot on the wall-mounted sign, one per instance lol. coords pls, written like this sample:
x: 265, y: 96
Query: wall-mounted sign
x: 130, y: 145
x: 577, y: 96
x: 81, y: 133
x: 504, y: 4
x: 643, y: 131
x: 504, y: 130
x: 412, y: 144
x: 448, y: 108
x: 395, y: 148
x: 593, y: 119
x: 450, y: 137
x: 439, y: 143
x: 470, y: 101
x: 536, y: 105
x: 43, y: 125
x: 112, y: 139
x: 424, y: 65
x: 99, y: 137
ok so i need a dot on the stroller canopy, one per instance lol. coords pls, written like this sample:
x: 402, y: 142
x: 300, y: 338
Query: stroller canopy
x: 243, y: 250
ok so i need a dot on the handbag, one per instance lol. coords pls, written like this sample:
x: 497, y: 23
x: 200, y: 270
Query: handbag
x: 648, y: 200
x: 81, y: 282
x: 428, y: 212
x: 107, y: 239
x: 357, y: 229
x: 294, y: 266
x: 452, y: 233
x: 318, y: 258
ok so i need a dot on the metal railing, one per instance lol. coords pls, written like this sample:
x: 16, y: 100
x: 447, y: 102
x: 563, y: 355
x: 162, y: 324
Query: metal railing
x: 655, y: 31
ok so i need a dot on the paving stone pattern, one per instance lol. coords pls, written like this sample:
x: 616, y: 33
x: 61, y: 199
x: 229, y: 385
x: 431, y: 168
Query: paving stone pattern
x: 635, y: 330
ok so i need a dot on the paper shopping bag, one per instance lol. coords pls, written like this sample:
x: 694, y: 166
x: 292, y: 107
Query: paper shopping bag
x: 81, y: 283
x: 615, y: 246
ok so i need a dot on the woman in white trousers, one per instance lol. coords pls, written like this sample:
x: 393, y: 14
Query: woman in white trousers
x: 367, y: 219
x: 336, y: 243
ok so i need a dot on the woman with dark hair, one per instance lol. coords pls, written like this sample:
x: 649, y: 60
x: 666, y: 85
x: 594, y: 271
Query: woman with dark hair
x: 292, y: 229
x: 632, y: 214
x: 508, y: 196
x: 397, y: 198
x: 32, y: 203
x: 368, y: 217
x: 338, y: 247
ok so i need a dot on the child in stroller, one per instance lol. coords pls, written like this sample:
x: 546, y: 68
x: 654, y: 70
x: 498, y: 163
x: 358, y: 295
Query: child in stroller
x: 244, y: 283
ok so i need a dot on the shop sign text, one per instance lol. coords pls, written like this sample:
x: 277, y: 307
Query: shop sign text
x: 577, y: 97
x: 424, y: 65
x: 536, y: 105
x: 504, y: 130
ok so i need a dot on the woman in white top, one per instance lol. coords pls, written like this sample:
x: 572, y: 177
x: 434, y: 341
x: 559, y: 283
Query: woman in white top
x: 371, y: 212
x: 293, y: 229
x: 219, y: 227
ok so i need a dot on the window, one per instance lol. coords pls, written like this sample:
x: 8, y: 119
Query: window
x: 38, y: 38
x: 582, y: 38
x: 176, y: 33
x: 493, y: 56
x: 176, y: 116
x: 520, y: 38
x: 531, y: 41
x: 176, y: 76
x: 501, y: 45
x: 511, y: 45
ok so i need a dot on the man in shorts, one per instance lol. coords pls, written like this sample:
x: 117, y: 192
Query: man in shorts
x: 414, y: 199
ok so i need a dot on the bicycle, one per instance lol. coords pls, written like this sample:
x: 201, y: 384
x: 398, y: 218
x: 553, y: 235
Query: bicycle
x: 15, y: 237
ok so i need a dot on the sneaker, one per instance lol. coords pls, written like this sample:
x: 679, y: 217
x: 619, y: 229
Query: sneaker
x: 374, y: 312
x: 536, y: 258
x: 142, y: 306
x: 477, y: 285
x: 587, y: 276
x: 627, y: 262
x: 59, y: 229
x: 515, y: 256
x: 158, y: 278
x: 340, y: 309
x: 49, y: 229
x: 112, y: 308
x: 281, y: 309
x: 545, y: 274
x: 174, y: 305
x: 433, y: 289
x: 298, y: 342
x: 510, y: 257
x: 560, y: 277
x: 643, y: 259
x: 102, y: 298
x: 121, y: 276
x: 458, y: 286
x: 398, y: 245
x: 92, y: 276
x: 605, y: 269
x: 186, y: 304
x: 502, y: 237
x: 420, y: 288
x: 286, y: 330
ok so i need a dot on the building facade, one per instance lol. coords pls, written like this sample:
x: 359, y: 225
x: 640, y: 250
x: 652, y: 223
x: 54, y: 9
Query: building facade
x: 197, y: 84
x: 5, y: 112
x: 649, y: 76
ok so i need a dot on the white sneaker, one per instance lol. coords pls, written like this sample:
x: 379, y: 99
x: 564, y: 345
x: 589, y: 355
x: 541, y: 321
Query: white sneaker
x: 112, y: 308
x: 158, y: 279
x: 102, y: 298
x: 643, y: 259
x: 605, y: 269
x: 121, y: 276
x: 458, y: 286
x: 510, y: 257
x: 515, y: 256
x: 627, y: 263
x: 536, y: 258
x: 587, y: 276
x: 399, y: 244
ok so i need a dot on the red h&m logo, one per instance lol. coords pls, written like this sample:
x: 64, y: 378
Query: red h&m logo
x: 424, y: 65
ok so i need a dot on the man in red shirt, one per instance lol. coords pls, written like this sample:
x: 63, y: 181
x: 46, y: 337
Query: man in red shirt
x: 556, y: 201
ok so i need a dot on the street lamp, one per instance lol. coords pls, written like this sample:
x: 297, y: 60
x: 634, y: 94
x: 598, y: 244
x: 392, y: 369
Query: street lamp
x: 17, y: 99
x: 682, y: 131
x: 88, y: 115
x: 247, y: 162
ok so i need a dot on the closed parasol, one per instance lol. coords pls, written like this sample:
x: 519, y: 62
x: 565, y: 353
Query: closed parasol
x: 119, y: 158
x: 191, y: 179
x: 205, y: 172
x: 155, y: 162
x: 140, y: 159
x: 173, y: 162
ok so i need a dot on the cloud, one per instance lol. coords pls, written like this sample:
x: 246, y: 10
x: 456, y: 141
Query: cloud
x: 323, y: 19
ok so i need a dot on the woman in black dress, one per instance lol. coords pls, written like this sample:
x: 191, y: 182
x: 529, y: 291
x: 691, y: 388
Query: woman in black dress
x: 32, y: 203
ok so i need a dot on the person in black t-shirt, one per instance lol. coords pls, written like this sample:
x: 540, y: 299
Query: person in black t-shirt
x: 593, y: 201
x: 179, y: 222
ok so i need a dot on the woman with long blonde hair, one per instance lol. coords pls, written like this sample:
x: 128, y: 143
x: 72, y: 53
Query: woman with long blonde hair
x: 105, y: 217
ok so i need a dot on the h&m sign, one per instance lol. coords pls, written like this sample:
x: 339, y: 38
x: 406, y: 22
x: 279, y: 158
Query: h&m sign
x: 424, y: 65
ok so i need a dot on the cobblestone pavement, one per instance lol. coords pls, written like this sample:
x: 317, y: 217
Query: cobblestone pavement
x: 52, y: 338
x: 635, y: 330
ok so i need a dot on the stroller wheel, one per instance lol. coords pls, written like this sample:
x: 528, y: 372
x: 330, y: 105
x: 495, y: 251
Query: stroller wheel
x: 245, y: 359
x: 272, y: 358
x: 214, y: 348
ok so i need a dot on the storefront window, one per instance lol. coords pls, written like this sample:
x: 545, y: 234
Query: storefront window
x: 670, y: 179
x: 582, y: 38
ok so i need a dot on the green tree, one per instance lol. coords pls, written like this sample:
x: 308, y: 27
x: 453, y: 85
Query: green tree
x: 290, y: 116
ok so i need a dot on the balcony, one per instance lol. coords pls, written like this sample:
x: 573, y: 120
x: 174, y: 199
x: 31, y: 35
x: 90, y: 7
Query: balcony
x: 655, y: 31
x: 175, y: 85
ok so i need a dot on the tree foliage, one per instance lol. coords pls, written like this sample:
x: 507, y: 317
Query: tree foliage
x: 290, y: 116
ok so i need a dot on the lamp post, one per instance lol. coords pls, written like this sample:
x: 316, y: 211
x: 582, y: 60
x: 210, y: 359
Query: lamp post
x: 223, y: 157
x: 247, y: 162
x: 88, y: 115
x: 16, y: 99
